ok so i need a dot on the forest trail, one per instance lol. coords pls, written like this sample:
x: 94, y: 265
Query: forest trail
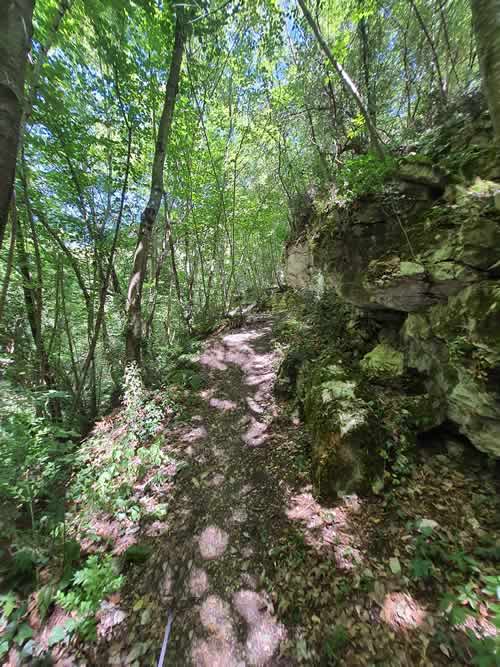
x: 229, y: 502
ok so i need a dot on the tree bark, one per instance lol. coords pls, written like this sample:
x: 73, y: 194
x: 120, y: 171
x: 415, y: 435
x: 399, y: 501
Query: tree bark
x: 10, y: 260
x: 486, y: 19
x: 347, y: 82
x: 15, y: 42
x: 133, y: 332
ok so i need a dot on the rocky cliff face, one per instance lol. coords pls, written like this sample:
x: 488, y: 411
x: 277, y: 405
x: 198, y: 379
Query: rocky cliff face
x: 421, y: 260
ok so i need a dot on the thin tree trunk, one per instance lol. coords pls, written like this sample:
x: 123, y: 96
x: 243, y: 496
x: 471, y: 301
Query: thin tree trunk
x: 347, y: 82
x: 15, y: 42
x: 486, y: 19
x: 432, y: 46
x: 365, y: 54
x: 133, y: 333
x: 90, y: 358
x: 34, y: 79
x: 33, y: 311
x: 67, y: 329
x: 10, y: 260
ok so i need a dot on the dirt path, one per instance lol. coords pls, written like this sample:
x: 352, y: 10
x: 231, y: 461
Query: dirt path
x: 231, y: 496
x: 245, y: 539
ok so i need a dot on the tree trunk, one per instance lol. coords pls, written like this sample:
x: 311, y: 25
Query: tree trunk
x: 347, y: 82
x: 32, y: 300
x: 367, y: 74
x: 15, y: 42
x: 486, y: 18
x: 10, y: 261
x: 432, y: 46
x: 133, y: 333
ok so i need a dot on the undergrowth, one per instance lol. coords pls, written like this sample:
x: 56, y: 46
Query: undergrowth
x: 124, y: 460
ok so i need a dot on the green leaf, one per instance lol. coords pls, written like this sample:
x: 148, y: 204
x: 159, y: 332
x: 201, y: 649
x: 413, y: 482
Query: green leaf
x: 395, y: 565
x: 458, y: 615
x: 58, y: 634
x: 4, y: 647
x: 24, y: 633
x: 421, y: 568
x: 8, y: 603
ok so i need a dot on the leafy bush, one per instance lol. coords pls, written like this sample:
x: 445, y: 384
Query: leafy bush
x: 111, y: 463
x: 15, y: 630
x: 35, y: 461
x: 33, y: 455
x: 142, y: 415
x: 363, y: 174
x: 90, y: 585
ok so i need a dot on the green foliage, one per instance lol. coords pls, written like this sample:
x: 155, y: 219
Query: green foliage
x: 96, y: 580
x: 34, y: 455
x: 335, y: 643
x: 363, y: 174
x: 112, y: 463
x: 470, y: 589
x: 15, y: 630
x: 142, y: 415
x: 109, y: 486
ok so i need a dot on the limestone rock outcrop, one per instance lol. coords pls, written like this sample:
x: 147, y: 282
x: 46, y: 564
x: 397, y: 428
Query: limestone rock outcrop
x: 421, y: 258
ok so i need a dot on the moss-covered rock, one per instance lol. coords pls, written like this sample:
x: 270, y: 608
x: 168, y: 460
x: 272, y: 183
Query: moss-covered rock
x: 430, y: 255
x: 421, y: 170
x: 457, y: 345
x: 347, y: 435
x: 299, y: 265
x: 383, y: 360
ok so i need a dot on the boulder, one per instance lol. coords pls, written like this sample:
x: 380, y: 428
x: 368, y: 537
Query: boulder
x: 347, y: 435
x: 405, y: 252
x: 437, y: 265
x: 421, y: 259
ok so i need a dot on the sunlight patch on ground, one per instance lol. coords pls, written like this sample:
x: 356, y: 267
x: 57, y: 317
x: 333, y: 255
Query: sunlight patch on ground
x: 258, y: 378
x: 256, y: 434
x: 254, y: 405
x: 402, y: 612
x: 222, y: 404
x: 480, y: 627
x: 264, y: 632
x: 195, y: 434
x: 213, y: 357
x: 216, y: 480
x: 212, y: 543
x: 215, y: 616
x: 239, y: 516
x: 215, y: 653
x: 157, y: 528
x: 327, y: 529
x: 198, y: 582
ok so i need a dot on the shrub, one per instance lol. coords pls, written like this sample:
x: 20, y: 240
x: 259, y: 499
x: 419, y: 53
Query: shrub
x: 90, y: 585
x: 363, y: 174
